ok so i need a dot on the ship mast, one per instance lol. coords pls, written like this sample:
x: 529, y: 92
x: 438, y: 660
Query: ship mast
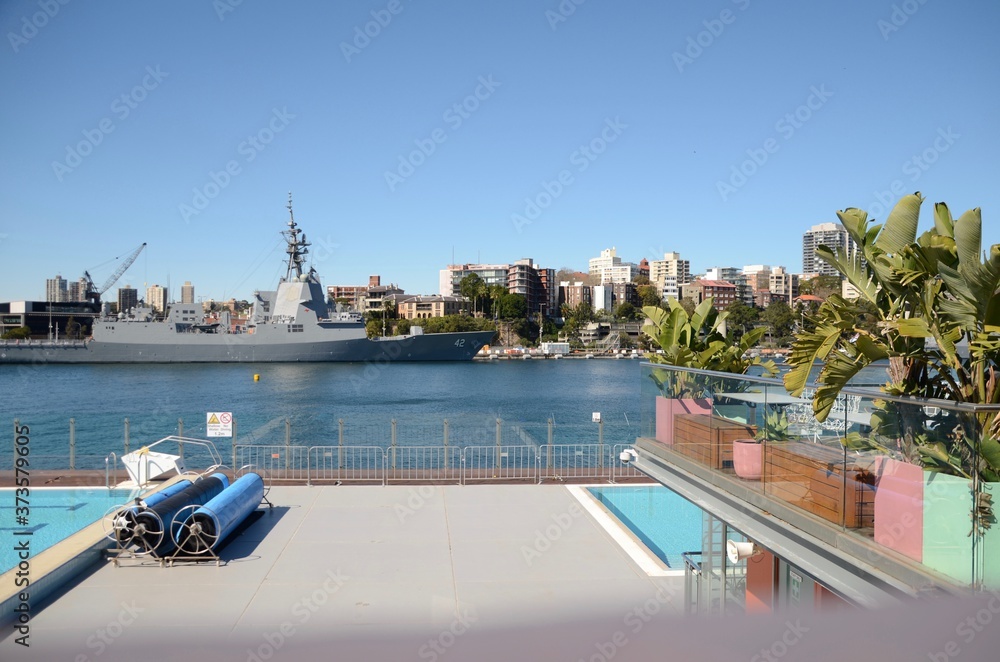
x: 297, y: 249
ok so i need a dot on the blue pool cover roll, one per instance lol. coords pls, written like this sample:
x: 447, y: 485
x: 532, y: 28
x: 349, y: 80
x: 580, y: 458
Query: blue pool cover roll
x: 125, y: 521
x: 155, y: 539
x: 207, y: 526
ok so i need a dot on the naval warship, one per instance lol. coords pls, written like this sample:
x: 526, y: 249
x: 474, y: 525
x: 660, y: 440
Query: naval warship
x: 290, y: 324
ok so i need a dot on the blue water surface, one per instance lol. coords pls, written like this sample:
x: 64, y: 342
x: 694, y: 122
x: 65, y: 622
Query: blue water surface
x: 665, y: 522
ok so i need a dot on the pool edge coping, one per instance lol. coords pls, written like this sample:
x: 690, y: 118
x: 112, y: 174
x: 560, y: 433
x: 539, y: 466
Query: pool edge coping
x: 626, y: 540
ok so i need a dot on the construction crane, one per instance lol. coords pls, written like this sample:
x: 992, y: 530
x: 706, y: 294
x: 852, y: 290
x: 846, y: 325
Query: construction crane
x: 94, y: 293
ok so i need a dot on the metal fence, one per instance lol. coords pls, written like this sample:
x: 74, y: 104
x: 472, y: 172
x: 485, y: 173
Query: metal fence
x: 276, y: 464
x: 360, y: 464
x: 437, y: 464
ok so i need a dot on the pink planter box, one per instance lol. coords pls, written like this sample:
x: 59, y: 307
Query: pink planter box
x: 899, y: 507
x: 667, y: 408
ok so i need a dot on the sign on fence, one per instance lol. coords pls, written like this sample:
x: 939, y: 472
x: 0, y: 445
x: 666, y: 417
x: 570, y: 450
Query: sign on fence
x: 219, y: 424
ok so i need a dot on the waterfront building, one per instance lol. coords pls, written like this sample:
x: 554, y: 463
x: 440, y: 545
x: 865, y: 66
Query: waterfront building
x: 156, y: 298
x: 609, y: 268
x: 831, y: 235
x: 532, y: 282
x: 376, y: 294
x: 602, y: 298
x: 450, y: 279
x: 128, y: 298
x: 433, y: 305
x: 187, y: 292
x: 783, y: 285
x: 573, y: 294
x: 671, y: 268
x: 744, y: 291
x: 722, y: 292
x: 354, y: 294
x: 55, y: 289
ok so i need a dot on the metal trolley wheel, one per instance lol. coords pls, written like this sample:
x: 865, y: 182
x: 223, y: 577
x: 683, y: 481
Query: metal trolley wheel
x: 192, y: 538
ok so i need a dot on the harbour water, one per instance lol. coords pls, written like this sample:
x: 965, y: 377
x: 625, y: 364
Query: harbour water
x: 314, y: 399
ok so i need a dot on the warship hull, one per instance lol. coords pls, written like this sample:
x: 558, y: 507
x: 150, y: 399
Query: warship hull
x: 245, y: 348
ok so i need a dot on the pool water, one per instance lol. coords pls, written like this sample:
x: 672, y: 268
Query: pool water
x: 665, y: 522
x: 54, y: 515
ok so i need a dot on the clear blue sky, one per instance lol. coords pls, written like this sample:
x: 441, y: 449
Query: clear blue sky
x: 198, y: 82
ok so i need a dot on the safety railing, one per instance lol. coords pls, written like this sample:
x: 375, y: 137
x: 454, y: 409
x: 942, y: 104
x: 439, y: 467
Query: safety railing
x: 343, y: 464
x: 573, y: 462
x: 423, y: 464
x: 499, y: 463
x: 275, y: 464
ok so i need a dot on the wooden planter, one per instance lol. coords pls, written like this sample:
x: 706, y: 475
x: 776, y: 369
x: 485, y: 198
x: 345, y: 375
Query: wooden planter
x: 708, y: 439
x: 667, y: 408
x: 812, y: 477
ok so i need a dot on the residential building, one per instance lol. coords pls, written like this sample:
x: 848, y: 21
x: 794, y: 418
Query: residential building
x: 156, y: 298
x: 783, y: 285
x: 526, y: 278
x: 187, y: 292
x: 573, y: 294
x: 550, y: 291
x: 735, y: 276
x: 670, y: 288
x: 427, y: 306
x: 128, y: 298
x: 758, y: 276
x: 354, y: 294
x: 374, y: 296
x: 450, y: 279
x: 670, y: 267
x: 832, y: 235
x: 609, y: 268
x: 602, y: 298
x: 722, y: 292
x: 55, y: 289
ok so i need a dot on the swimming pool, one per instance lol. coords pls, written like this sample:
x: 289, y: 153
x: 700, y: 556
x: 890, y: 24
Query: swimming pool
x: 665, y: 522
x: 55, y: 513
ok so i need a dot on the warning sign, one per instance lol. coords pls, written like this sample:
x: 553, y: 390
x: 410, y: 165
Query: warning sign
x: 219, y: 424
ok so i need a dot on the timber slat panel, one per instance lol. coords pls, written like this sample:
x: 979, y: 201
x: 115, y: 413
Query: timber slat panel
x: 812, y: 477
x: 708, y: 439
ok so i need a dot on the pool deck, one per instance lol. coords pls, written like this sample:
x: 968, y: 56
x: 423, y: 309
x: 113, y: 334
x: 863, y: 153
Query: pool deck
x: 485, y: 572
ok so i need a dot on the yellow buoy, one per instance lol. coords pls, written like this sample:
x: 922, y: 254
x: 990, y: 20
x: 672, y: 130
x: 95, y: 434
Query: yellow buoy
x: 256, y: 378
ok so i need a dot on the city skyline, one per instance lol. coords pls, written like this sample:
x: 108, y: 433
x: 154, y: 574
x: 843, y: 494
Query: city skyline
x: 415, y: 136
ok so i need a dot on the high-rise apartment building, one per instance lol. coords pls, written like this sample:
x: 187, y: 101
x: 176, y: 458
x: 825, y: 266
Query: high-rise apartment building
x: 450, y: 279
x: 156, y: 298
x: 128, y: 298
x: 832, y: 235
x: 187, y: 292
x: 55, y: 289
x: 609, y: 268
x: 670, y: 273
